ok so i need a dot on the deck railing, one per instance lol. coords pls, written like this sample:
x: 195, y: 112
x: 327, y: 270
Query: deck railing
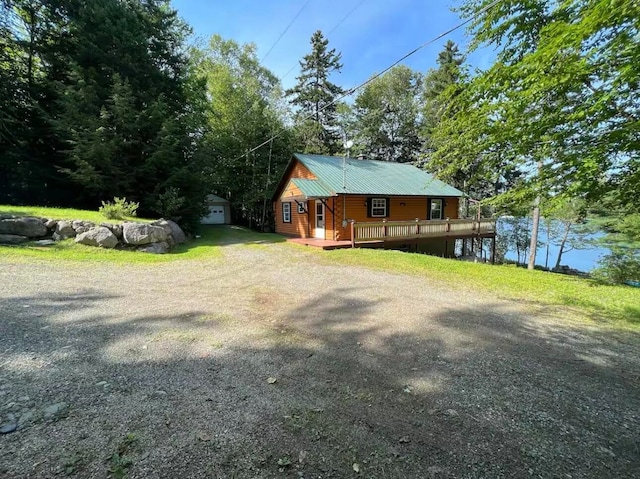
x: 399, y: 230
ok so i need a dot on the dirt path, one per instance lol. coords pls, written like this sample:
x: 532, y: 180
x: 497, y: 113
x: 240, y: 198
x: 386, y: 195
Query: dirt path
x: 161, y: 371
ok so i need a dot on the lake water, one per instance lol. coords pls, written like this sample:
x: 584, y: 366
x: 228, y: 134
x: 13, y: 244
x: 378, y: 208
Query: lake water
x: 580, y: 259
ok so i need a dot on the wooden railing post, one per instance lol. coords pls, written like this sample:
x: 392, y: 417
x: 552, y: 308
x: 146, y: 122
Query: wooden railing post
x: 353, y: 234
x: 391, y: 230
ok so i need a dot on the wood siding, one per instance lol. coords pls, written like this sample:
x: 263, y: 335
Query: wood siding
x: 300, y: 222
x: 291, y: 191
x: 299, y: 225
x: 401, y: 208
x: 300, y: 171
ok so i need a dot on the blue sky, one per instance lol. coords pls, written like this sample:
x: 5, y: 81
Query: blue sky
x: 373, y: 36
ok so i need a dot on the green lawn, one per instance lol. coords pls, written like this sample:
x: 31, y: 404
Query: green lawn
x: 616, y: 305
x: 206, y: 245
x: 60, y: 213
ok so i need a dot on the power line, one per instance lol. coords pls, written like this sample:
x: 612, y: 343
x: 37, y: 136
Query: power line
x: 274, y: 45
x: 377, y: 75
x: 330, y: 32
x: 345, y: 17
x: 285, y: 30
x: 282, y: 34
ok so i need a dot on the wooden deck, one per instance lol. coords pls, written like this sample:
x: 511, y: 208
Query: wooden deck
x: 375, y: 235
x: 320, y: 243
x: 414, y: 230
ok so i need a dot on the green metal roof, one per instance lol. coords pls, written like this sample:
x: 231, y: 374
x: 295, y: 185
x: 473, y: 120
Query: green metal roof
x: 312, y: 188
x: 371, y: 177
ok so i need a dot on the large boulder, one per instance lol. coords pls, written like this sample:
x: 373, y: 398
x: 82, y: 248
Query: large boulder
x: 12, y: 239
x: 80, y: 226
x: 176, y: 232
x: 23, y: 226
x: 99, y: 236
x: 117, y: 230
x: 142, y: 233
x: 64, y: 229
x: 156, y: 248
x: 176, y: 235
x: 51, y: 224
x: 162, y: 223
x: 114, y: 228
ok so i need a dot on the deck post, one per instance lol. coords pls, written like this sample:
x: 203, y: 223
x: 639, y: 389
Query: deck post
x: 448, y: 227
x: 384, y: 228
x: 353, y: 234
x: 493, y: 250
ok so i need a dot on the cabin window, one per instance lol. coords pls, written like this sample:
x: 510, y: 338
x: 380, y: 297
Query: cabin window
x: 436, y: 210
x: 302, y: 207
x: 378, y: 207
x: 286, y: 212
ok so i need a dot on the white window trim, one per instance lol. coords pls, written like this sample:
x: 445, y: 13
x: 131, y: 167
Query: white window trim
x: 302, y: 207
x: 286, y: 212
x: 441, y: 209
x: 383, y: 207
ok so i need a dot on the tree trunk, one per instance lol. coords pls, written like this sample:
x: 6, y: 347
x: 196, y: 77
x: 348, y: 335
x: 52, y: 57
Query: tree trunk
x: 534, y: 234
x: 567, y: 228
x: 533, y: 249
x: 266, y: 188
x: 546, y: 259
x: 32, y: 41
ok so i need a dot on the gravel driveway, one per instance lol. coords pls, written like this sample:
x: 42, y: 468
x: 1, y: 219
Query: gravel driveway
x: 168, y: 371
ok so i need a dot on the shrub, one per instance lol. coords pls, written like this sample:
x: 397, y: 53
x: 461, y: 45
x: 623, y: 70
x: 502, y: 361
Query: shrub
x: 619, y: 266
x: 119, y: 209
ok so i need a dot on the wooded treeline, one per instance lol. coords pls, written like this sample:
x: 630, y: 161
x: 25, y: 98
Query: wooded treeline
x: 111, y: 98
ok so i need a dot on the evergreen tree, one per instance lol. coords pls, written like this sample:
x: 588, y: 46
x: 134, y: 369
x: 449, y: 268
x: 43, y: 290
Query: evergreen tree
x: 315, y: 97
x: 446, y: 78
x: 29, y: 33
x: 96, y: 99
x: 126, y: 111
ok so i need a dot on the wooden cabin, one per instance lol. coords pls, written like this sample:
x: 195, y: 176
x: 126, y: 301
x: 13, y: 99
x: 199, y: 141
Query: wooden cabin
x: 366, y: 202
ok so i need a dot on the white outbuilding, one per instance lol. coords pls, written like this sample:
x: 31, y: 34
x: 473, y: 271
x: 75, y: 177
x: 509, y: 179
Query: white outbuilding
x: 219, y: 211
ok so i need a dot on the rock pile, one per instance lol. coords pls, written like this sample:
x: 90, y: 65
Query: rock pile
x: 156, y: 237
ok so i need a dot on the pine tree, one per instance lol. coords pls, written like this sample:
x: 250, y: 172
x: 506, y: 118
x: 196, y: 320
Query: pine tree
x: 447, y: 76
x: 315, y: 96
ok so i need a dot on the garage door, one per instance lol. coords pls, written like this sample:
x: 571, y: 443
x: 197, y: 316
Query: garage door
x: 215, y: 216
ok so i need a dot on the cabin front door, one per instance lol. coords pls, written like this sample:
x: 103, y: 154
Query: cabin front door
x: 319, y: 219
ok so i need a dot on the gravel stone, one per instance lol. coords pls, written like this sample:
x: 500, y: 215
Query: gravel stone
x: 8, y: 428
x: 56, y: 411
x: 537, y: 394
x: 26, y: 417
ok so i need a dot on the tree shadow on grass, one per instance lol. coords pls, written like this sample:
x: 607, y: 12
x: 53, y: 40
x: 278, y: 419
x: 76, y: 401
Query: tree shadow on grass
x: 461, y: 392
x: 629, y: 315
x: 231, y: 234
